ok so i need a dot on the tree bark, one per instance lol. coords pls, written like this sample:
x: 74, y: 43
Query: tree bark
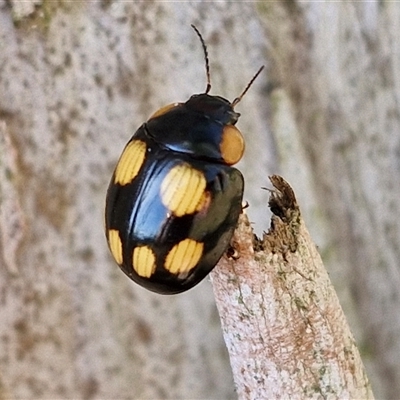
x: 334, y: 90
x: 286, y: 333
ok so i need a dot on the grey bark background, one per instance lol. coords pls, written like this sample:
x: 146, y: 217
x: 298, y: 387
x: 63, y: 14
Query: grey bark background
x: 78, y: 78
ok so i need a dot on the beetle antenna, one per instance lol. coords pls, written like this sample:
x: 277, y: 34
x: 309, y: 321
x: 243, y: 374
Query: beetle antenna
x: 208, y: 88
x: 234, y: 102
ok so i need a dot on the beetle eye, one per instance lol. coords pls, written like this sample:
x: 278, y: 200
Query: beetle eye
x: 232, y: 145
x: 164, y: 110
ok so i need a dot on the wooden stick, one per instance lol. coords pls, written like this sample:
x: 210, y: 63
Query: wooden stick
x: 283, y: 325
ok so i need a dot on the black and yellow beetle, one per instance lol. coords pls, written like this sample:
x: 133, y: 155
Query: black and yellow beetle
x: 174, y: 200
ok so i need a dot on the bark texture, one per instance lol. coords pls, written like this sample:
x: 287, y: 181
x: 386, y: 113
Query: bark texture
x: 335, y: 96
x: 78, y: 78
x: 286, y: 333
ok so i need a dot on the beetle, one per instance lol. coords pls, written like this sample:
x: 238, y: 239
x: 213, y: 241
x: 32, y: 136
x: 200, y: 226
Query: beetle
x: 174, y: 198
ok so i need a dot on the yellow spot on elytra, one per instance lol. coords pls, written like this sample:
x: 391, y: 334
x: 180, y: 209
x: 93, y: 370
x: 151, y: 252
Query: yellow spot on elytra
x: 130, y: 162
x: 184, y: 256
x: 115, y: 244
x: 232, y: 145
x: 204, y: 202
x: 164, y: 110
x: 182, y: 190
x: 144, y: 261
